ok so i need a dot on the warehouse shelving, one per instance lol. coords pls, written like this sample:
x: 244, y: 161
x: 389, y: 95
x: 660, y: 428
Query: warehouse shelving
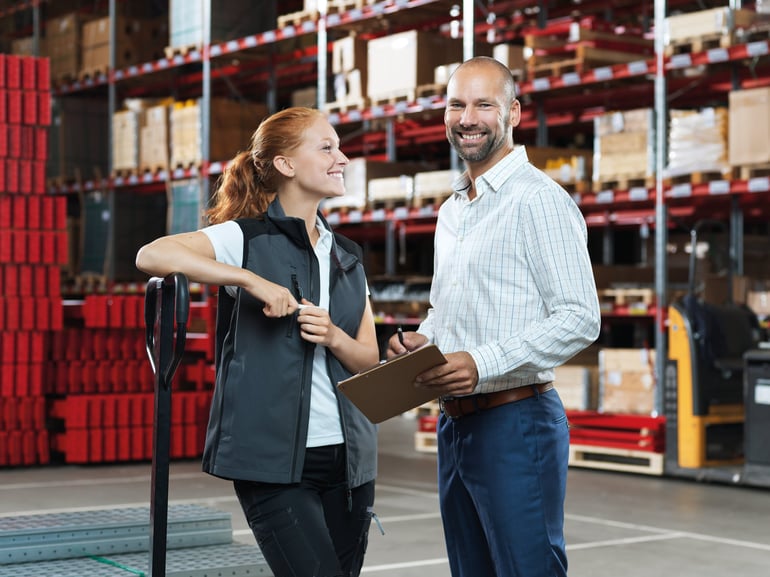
x: 274, y: 60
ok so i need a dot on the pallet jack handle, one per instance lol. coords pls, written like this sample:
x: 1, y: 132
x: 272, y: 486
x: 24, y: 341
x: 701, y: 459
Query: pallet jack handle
x: 166, y: 307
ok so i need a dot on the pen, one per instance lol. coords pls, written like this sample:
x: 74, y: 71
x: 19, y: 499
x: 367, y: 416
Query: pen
x: 400, y: 332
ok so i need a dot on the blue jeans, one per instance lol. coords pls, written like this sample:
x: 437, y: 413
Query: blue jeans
x: 315, y: 528
x: 502, y: 482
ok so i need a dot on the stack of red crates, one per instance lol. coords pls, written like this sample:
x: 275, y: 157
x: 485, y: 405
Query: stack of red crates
x: 102, y: 385
x: 33, y: 246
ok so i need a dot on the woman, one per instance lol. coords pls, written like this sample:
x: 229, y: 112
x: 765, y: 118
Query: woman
x: 293, y: 319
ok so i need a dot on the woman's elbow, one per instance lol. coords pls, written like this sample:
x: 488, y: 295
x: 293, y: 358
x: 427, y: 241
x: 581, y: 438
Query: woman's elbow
x: 145, y: 259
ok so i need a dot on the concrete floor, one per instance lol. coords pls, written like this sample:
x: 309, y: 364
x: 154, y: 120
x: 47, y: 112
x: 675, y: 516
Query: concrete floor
x: 617, y: 523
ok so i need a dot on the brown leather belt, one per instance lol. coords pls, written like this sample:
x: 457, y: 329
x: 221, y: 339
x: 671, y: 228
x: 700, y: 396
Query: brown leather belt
x: 456, y: 407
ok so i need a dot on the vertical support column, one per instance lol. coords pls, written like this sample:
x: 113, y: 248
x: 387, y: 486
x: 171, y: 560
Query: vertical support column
x: 112, y: 98
x: 205, y: 103
x: 322, y: 57
x: 661, y: 213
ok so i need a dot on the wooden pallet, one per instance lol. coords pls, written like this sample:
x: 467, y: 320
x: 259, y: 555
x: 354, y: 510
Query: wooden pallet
x: 427, y: 90
x: 392, y: 99
x: 296, y: 19
x: 343, y: 106
x: 92, y: 74
x: 171, y: 51
x: 743, y: 35
x: 614, y: 459
x: 697, y: 177
x: 626, y: 296
x: 749, y: 171
x: 583, y: 58
x: 125, y: 173
x: 623, y: 182
x: 434, y: 199
x: 699, y: 44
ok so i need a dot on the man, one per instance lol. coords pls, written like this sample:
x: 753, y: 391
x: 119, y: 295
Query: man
x: 513, y: 296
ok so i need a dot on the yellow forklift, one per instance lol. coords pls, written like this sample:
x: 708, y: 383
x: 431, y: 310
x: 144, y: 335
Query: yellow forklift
x: 703, y: 395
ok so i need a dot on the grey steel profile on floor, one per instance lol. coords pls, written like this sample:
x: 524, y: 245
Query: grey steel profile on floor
x: 113, y: 543
x: 233, y: 560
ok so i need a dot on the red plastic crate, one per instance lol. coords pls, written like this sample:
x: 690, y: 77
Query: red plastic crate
x: 11, y: 176
x: 14, y: 112
x: 44, y: 74
x: 3, y: 139
x: 15, y: 144
x: 44, y: 111
x: 38, y: 177
x: 12, y: 71
x: 30, y: 107
x: 29, y: 70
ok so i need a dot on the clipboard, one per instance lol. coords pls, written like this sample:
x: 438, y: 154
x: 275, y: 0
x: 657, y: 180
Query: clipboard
x: 387, y: 389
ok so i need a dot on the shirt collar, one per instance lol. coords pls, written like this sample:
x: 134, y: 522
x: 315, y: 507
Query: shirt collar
x: 495, y: 177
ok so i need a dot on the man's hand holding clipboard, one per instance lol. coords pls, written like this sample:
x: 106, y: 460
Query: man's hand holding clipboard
x: 415, y: 372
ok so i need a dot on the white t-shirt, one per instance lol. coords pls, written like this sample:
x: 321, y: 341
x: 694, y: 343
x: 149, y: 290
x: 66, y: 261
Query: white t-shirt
x: 324, y: 427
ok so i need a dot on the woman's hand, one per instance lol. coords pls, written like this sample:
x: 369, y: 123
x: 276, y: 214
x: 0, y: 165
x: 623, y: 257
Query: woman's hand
x: 279, y: 302
x: 315, y: 325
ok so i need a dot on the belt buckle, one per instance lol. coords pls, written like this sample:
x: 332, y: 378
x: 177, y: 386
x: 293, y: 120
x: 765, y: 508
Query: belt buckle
x: 441, y: 401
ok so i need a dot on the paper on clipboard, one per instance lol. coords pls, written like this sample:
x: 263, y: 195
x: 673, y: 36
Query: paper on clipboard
x: 387, y: 389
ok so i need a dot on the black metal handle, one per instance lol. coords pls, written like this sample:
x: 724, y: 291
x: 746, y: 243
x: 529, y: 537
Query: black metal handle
x: 166, y: 309
x: 166, y: 305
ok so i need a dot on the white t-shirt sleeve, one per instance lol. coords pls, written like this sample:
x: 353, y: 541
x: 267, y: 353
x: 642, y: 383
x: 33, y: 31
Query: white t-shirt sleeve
x: 227, y: 240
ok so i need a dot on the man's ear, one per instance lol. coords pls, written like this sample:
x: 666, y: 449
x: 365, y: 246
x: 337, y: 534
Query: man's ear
x: 284, y: 165
x: 515, y: 113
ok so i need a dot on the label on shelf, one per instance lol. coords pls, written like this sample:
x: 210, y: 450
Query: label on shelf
x: 759, y: 184
x: 541, y: 84
x: 355, y: 216
x: 637, y: 67
x: 719, y: 187
x: 681, y: 60
x: 570, y: 79
x: 378, y: 214
x: 638, y: 193
x: 717, y: 55
x: 681, y: 190
x: 605, y: 197
x: 400, y: 212
x: 603, y: 73
x: 759, y: 48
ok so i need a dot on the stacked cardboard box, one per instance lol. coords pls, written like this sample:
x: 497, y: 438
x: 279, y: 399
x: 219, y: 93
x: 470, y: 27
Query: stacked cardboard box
x: 349, y: 66
x: 136, y: 41
x: 63, y: 46
x: 721, y: 21
x: 231, y: 125
x: 749, y: 127
x: 154, y: 139
x: 624, y: 145
x: 399, y: 63
x: 697, y: 141
x: 627, y: 381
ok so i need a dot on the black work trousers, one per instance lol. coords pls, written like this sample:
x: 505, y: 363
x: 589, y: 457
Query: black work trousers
x: 314, y: 528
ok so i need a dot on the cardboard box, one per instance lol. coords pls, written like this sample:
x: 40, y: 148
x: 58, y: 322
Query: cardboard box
x: 154, y: 139
x: 136, y: 41
x: 358, y: 174
x: 749, y: 126
x: 624, y: 145
x: 63, y: 44
x: 348, y: 53
x: 512, y: 55
x: 399, y: 63
x: 231, y: 125
x: 627, y: 381
x: 577, y: 386
x: 715, y: 21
